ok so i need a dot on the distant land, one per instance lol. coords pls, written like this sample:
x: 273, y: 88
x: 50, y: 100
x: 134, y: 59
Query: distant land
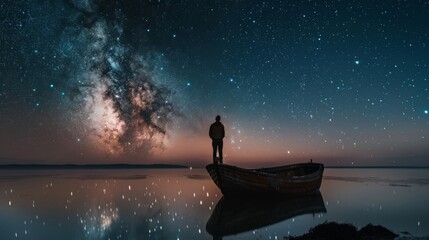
x: 89, y: 166
x: 159, y: 166
x: 399, y: 167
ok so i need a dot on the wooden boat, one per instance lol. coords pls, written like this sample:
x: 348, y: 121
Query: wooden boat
x: 234, y: 216
x: 283, y: 180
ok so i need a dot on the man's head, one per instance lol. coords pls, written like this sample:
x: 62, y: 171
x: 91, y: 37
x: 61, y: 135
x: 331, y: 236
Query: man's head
x: 217, y: 118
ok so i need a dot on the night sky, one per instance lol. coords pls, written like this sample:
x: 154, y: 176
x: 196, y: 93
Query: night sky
x: 340, y: 82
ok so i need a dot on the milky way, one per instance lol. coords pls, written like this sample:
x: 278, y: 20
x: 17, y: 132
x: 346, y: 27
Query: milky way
x: 343, y: 82
x: 126, y: 109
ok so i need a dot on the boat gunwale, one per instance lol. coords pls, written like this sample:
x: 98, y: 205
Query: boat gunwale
x: 263, y: 173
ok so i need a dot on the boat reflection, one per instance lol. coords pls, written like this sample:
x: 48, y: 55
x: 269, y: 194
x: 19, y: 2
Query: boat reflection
x: 237, y: 215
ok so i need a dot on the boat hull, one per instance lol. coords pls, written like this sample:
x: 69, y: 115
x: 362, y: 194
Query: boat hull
x: 284, y: 180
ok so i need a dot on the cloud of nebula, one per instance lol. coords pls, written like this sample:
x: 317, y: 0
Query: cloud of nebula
x: 126, y: 107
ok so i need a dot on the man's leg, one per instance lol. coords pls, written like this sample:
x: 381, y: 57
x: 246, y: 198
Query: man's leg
x: 214, y: 151
x: 220, y: 152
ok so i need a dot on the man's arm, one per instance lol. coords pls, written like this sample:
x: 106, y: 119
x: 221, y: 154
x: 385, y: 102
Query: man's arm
x: 211, y: 132
x: 223, y: 131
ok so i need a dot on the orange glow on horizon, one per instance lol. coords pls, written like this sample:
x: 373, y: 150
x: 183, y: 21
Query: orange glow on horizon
x: 197, y: 150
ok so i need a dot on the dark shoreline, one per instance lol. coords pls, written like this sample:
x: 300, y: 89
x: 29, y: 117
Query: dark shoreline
x: 340, y: 231
x: 162, y: 166
x: 90, y: 166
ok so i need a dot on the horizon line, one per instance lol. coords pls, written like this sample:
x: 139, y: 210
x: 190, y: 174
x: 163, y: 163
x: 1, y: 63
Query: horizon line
x: 92, y: 166
x: 160, y: 165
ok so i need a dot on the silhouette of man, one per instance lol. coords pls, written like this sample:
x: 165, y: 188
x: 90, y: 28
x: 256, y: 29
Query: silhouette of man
x: 217, y: 133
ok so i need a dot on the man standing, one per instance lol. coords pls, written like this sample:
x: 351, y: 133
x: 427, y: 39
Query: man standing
x: 217, y: 133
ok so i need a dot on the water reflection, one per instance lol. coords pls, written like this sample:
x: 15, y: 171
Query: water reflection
x: 115, y: 204
x: 233, y: 216
x: 176, y: 204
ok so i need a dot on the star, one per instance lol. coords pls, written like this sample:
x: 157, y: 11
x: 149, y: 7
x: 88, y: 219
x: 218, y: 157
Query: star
x: 137, y: 73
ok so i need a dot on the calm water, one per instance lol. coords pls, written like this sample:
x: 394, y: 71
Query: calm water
x: 185, y: 204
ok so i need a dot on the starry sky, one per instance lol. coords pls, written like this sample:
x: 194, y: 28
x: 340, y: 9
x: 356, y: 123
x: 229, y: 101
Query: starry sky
x: 92, y: 81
